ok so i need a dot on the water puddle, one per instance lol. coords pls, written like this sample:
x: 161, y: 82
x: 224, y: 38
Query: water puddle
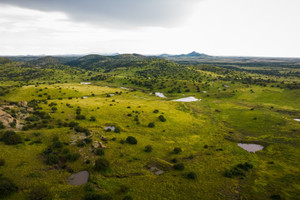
x: 250, y: 147
x: 187, y: 99
x: 79, y: 178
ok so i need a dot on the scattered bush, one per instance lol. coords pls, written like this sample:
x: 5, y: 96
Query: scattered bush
x: 128, y: 197
x: 131, y: 140
x: 151, y: 125
x: 2, y: 162
x: 148, y: 148
x: 92, y: 119
x: 177, y: 150
x: 275, y: 196
x: 40, y: 192
x: 117, y: 130
x: 238, y: 170
x: 95, y: 196
x: 179, y: 166
x: 51, y: 159
x: 191, y: 175
x: 7, y: 187
x: 101, y: 164
x: 2, y: 126
x: 71, y: 157
x: 57, y: 145
x: 80, y: 117
x: 99, y: 152
x: 162, y: 118
x: 11, y: 138
x: 155, y: 111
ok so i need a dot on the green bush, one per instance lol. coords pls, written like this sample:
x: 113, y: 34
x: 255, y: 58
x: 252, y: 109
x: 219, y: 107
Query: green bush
x: 11, y: 138
x: 151, y: 125
x: 148, y: 148
x: 177, y: 150
x: 101, y: 164
x: 162, y: 118
x: 2, y: 162
x: 57, y: 144
x: 99, y: 152
x: 7, y: 187
x: 80, y: 117
x: 179, y: 166
x: 71, y: 157
x: 131, y: 140
x: 2, y: 126
x: 40, y: 192
x: 128, y: 197
x: 191, y: 175
x: 95, y: 196
x: 51, y: 159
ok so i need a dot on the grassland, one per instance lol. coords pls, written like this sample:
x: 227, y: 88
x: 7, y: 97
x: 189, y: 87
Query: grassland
x: 207, y: 131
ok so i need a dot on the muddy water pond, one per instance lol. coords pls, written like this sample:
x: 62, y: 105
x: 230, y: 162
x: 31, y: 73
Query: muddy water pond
x: 79, y: 178
x: 159, y: 94
x: 112, y: 128
x: 187, y: 99
x: 250, y: 147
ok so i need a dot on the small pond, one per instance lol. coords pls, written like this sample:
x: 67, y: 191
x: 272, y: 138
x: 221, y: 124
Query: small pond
x: 112, y: 128
x: 79, y: 178
x: 85, y: 83
x: 250, y: 147
x: 159, y: 94
x: 187, y: 99
x: 298, y: 120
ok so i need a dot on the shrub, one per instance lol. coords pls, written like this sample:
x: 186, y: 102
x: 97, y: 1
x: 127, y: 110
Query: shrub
x: 246, y: 166
x: 95, y: 196
x: 131, y: 140
x: 162, y: 118
x: 179, y: 166
x: 151, y: 125
x: 275, y: 196
x: 57, y: 144
x: 2, y: 126
x: 148, y: 148
x: 80, y: 117
x: 191, y: 175
x: 2, y: 162
x: 128, y: 197
x: 101, y: 164
x: 11, y: 138
x: 99, y: 152
x: 117, y: 130
x: 7, y: 187
x: 72, y: 157
x: 155, y: 111
x: 92, y: 119
x: 51, y: 159
x: 73, y: 124
x: 234, y: 172
x: 177, y: 150
x: 40, y: 192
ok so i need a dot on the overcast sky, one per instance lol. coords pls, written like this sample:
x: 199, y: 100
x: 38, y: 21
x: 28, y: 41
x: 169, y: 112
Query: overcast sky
x: 215, y: 27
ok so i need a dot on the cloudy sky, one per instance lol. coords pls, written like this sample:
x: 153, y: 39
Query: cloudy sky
x: 215, y: 27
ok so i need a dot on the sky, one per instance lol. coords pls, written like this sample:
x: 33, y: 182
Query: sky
x: 269, y: 28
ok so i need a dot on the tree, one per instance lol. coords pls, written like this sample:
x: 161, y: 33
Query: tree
x: 151, y: 125
x: 11, y: 138
x: 162, y: 118
x: 7, y: 187
x: 131, y: 140
x: 179, y: 166
x: 148, y: 148
x: 40, y: 192
x: 177, y: 150
x: 101, y: 164
x: 191, y: 175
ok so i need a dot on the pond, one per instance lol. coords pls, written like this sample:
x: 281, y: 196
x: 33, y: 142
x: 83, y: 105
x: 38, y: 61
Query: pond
x: 79, y: 178
x: 187, y: 99
x: 298, y: 120
x: 159, y: 94
x: 85, y: 83
x: 112, y: 128
x: 250, y: 147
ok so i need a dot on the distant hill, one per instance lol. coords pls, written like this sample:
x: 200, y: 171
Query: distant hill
x: 4, y: 60
x: 193, y: 54
x: 43, y: 61
x: 94, y: 61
